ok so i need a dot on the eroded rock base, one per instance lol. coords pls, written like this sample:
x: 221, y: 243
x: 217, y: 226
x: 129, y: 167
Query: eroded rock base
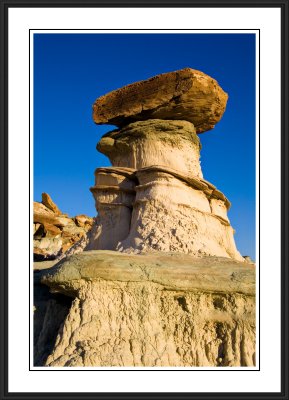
x: 154, y: 310
x: 143, y: 324
x: 50, y: 312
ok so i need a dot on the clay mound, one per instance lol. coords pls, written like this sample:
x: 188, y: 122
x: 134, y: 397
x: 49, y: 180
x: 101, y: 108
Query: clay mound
x: 186, y: 94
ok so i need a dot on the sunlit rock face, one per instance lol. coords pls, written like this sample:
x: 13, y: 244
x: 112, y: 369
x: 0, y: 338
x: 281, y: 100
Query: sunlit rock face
x: 187, y: 95
x: 172, y: 215
x: 114, y: 194
x: 154, y: 142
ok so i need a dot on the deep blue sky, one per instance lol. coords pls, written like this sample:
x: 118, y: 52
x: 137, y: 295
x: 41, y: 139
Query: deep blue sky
x: 72, y: 70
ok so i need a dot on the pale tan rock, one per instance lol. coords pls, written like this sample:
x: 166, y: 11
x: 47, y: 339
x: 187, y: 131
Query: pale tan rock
x: 39, y: 208
x: 169, y: 215
x: 124, y: 178
x: 83, y: 221
x: 47, y: 248
x: 142, y: 144
x: 173, y: 207
x: 219, y: 208
x: 114, y: 194
x: 154, y: 310
x: 248, y: 259
x: 186, y: 94
x: 49, y: 203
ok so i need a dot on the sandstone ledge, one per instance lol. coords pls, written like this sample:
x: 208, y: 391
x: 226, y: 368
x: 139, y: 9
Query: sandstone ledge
x: 171, y: 270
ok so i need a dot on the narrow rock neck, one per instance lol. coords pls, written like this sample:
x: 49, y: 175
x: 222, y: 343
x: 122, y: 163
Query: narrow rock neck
x: 172, y: 144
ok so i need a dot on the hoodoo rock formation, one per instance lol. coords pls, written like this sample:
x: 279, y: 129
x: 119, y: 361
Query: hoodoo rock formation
x: 161, y: 282
x: 166, y: 204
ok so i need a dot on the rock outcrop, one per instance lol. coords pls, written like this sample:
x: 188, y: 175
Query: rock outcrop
x: 154, y: 310
x: 54, y: 233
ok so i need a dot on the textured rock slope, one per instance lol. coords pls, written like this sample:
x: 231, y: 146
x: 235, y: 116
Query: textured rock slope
x: 154, y: 310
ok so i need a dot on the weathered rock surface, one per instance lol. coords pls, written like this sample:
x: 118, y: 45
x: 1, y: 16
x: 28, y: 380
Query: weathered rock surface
x: 186, y: 94
x: 155, y: 198
x: 171, y: 216
x: 50, y: 311
x: 114, y: 193
x: 154, y: 310
x: 158, y: 208
x: 49, y: 203
x: 248, y: 259
x: 54, y: 233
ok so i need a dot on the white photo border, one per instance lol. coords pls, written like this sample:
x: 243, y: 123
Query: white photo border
x: 268, y: 22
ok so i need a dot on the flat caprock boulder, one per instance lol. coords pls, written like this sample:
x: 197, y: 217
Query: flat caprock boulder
x: 186, y: 94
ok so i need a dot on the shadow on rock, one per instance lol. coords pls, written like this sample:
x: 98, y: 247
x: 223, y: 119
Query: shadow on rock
x: 50, y: 311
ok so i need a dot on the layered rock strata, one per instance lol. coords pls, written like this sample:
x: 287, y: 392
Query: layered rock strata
x: 164, y: 204
x: 154, y: 310
x: 114, y: 194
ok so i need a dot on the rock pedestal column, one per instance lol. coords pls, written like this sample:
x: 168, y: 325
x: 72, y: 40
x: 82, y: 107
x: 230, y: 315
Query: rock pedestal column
x: 172, y: 215
x: 114, y: 194
x: 164, y: 204
x: 154, y: 142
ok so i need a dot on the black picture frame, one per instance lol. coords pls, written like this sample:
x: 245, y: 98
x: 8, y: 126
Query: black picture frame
x: 283, y: 5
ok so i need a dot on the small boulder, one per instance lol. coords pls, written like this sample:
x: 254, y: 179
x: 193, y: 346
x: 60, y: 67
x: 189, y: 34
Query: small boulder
x: 51, y: 230
x: 40, y: 208
x: 48, y: 202
x: 83, y: 221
